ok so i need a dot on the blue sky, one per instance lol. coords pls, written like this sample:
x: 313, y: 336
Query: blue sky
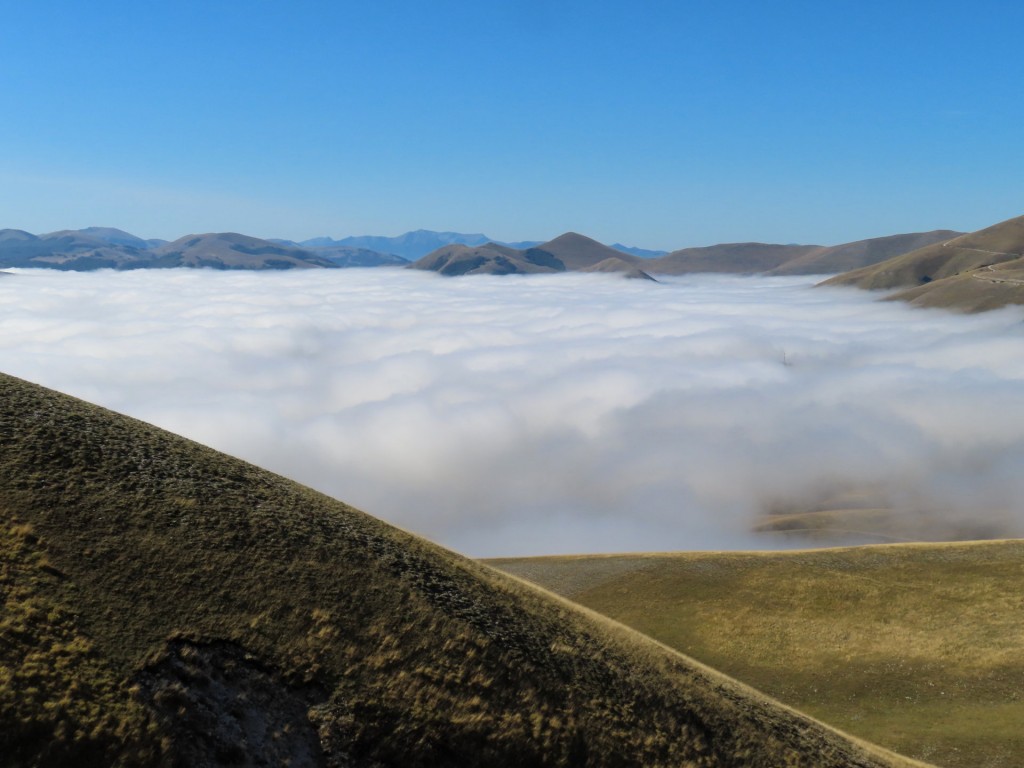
x: 662, y: 124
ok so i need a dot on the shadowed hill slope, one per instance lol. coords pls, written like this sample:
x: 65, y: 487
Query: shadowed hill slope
x: 978, y: 271
x: 568, y: 252
x: 167, y: 604
x: 919, y: 647
x: 488, y: 259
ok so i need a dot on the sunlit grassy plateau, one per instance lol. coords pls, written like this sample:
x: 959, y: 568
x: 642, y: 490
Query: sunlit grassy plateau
x: 919, y: 647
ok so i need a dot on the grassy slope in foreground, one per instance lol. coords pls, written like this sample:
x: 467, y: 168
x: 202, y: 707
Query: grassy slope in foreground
x: 167, y: 604
x: 919, y: 647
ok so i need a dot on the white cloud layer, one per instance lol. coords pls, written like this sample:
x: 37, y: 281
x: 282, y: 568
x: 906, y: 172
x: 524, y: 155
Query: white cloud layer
x: 566, y: 413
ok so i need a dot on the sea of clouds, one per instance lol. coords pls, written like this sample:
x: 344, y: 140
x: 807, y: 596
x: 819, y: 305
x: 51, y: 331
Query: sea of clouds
x: 548, y: 414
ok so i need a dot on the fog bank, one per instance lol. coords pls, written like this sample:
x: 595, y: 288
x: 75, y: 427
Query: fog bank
x: 544, y: 414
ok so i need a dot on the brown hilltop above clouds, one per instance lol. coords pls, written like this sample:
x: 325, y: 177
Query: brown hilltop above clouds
x: 577, y: 251
x: 974, y: 272
x: 570, y: 252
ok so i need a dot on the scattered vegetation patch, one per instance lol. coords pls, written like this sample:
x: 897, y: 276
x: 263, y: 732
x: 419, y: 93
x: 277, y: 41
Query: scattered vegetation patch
x: 60, y: 701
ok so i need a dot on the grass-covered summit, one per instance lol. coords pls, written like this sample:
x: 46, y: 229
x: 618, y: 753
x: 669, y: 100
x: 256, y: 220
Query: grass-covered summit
x: 164, y: 604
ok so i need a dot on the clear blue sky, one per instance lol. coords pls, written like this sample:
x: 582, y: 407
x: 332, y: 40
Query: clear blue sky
x: 659, y: 124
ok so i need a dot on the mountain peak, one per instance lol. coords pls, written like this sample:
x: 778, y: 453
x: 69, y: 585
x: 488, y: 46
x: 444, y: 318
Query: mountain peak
x: 16, y: 234
x: 578, y: 251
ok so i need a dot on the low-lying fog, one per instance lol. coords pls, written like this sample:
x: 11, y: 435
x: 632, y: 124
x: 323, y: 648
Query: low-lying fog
x: 547, y: 414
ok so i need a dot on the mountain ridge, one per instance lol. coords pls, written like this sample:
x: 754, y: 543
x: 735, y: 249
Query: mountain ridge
x: 111, y: 248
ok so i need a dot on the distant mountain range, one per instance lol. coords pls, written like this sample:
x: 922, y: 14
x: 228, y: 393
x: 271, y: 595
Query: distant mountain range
x: 450, y: 253
x: 411, y: 245
x: 108, y: 248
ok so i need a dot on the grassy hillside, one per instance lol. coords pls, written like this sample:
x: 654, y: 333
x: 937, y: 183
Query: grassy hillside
x: 974, y: 272
x: 979, y: 290
x: 862, y: 253
x: 739, y: 258
x: 749, y: 258
x: 166, y: 604
x: 919, y: 647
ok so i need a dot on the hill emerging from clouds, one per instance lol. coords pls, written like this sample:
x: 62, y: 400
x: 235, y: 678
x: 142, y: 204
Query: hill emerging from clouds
x: 167, y: 604
x: 570, y: 252
x: 841, y: 258
x: 567, y: 252
x: 974, y: 272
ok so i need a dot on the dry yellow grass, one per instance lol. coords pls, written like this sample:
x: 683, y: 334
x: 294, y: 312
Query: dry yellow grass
x: 918, y: 647
x: 975, y: 272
